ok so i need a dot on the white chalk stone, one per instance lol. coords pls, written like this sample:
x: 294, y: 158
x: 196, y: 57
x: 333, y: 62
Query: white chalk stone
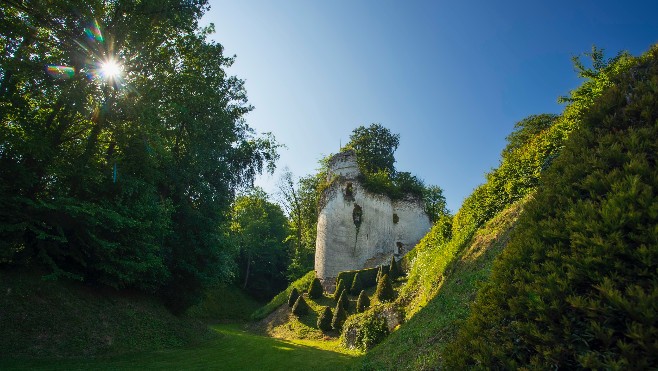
x: 358, y: 229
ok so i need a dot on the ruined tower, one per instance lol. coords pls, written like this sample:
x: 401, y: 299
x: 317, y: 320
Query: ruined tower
x: 359, y: 229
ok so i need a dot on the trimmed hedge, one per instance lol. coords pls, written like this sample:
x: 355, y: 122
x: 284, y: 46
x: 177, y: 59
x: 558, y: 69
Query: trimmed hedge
x: 385, y: 290
x: 363, y: 302
x: 324, y: 320
x: 339, y: 317
x: 339, y: 289
x: 301, y: 307
x: 292, y: 298
x: 315, y: 290
x: 357, y: 286
x: 368, y: 277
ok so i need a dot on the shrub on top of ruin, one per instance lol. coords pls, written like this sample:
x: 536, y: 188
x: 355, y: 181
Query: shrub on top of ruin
x: 324, y: 320
x: 339, y: 287
x: 315, y: 289
x: 357, y: 286
x: 339, y: 317
x: 393, y: 270
x: 384, y: 289
x: 363, y: 302
x: 343, y: 300
x: 294, y: 294
x: 300, y: 308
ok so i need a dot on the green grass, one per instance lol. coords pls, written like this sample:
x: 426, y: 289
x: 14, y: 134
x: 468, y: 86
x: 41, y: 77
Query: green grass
x: 419, y: 343
x: 233, y: 349
x: 66, y: 318
x: 301, y: 285
x: 225, y: 303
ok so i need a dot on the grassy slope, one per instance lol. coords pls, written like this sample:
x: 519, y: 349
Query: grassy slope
x: 224, y: 304
x: 418, y: 343
x: 301, y: 285
x: 62, y: 319
x: 233, y: 349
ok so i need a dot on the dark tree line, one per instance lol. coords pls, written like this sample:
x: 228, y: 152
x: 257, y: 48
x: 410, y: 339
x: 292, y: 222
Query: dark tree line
x: 124, y: 180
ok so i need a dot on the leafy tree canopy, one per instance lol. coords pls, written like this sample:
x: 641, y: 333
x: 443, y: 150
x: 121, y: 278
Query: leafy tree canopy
x: 124, y: 178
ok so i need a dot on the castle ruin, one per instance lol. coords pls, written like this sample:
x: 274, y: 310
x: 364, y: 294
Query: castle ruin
x: 358, y: 229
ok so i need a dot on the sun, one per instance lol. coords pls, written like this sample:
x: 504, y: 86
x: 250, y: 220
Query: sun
x: 110, y: 69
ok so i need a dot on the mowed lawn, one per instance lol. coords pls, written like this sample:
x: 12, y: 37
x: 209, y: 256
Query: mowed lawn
x: 234, y: 349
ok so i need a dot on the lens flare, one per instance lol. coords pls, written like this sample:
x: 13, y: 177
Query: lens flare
x: 110, y: 69
x: 93, y: 32
x: 60, y: 72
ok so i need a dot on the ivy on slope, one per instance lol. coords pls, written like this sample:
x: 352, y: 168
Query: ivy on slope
x: 576, y: 287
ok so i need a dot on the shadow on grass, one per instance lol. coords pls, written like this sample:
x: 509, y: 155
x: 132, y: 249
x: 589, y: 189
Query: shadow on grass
x: 235, y: 349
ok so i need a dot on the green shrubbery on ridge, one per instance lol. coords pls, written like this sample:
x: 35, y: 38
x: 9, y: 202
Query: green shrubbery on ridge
x: 576, y: 286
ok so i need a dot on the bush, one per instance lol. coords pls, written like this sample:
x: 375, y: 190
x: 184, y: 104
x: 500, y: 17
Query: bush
x: 364, y: 330
x: 339, y: 288
x: 300, y: 308
x: 368, y: 277
x: 356, y: 285
x: 393, y: 271
x: 363, y: 302
x: 576, y: 286
x: 343, y: 300
x: 339, y: 317
x: 384, y: 289
x: 315, y: 290
x: 292, y: 298
x: 324, y: 321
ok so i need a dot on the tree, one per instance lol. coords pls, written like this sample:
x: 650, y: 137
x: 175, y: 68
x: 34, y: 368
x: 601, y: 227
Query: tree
x: 300, y: 307
x: 375, y: 147
x: 324, y: 320
x: 384, y: 289
x: 363, y: 302
x: 292, y: 298
x: 393, y: 270
x: 339, y: 288
x: 122, y: 180
x: 299, y: 199
x: 339, y: 317
x: 315, y: 289
x: 344, y: 300
x: 356, y: 285
x: 435, y: 203
x: 259, y: 228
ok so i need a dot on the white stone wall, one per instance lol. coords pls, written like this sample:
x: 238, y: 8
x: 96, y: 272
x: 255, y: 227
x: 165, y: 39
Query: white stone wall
x: 341, y: 246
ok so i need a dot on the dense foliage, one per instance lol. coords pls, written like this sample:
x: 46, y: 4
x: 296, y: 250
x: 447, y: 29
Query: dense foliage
x: 367, y: 329
x: 121, y: 180
x: 293, y: 296
x: 315, y: 290
x: 385, y: 290
x: 576, y: 286
x: 362, y: 302
x: 300, y: 307
x: 356, y: 286
x: 299, y: 199
x: 339, y: 317
x: 324, y: 320
x: 258, y: 229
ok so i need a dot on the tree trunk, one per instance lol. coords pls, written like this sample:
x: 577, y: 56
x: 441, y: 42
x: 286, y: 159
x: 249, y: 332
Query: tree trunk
x: 246, y: 275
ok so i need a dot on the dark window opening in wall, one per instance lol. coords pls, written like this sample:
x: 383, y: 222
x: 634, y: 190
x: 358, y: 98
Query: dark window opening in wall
x: 400, y: 247
x: 349, y: 192
x: 396, y: 218
x: 357, y: 215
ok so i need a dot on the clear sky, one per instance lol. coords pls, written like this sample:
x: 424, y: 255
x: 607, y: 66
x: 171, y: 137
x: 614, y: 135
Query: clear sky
x: 451, y: 77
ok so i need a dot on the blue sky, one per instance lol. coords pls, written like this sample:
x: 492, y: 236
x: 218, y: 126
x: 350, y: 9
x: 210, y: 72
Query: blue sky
x: 452, y: 78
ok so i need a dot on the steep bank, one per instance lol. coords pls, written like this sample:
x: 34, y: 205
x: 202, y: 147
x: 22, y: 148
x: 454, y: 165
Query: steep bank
x: 67, y: 319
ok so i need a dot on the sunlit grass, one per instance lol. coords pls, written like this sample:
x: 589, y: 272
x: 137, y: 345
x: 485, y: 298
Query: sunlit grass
x: 234, y: 349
